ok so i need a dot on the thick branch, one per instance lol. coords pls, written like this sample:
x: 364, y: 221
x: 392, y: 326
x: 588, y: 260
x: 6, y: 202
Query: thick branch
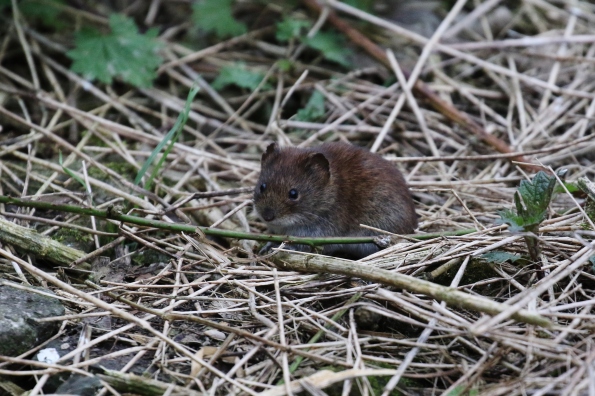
x: 26, y: 240
x: 453, y: 297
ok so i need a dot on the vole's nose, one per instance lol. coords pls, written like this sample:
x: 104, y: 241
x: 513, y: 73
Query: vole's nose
x: 268, y: 214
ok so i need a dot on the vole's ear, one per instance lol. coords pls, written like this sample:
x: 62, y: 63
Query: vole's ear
x: 271, y: 149
x: 317, y: 162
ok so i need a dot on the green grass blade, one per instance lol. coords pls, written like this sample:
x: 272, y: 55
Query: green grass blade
x: 170, y: 138
x: 71, y: 173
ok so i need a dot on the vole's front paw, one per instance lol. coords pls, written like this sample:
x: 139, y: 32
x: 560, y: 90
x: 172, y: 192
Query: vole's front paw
x: 267, y: 247
x: 271, y: 245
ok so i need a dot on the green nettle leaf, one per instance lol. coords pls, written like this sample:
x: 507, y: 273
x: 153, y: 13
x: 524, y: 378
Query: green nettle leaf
x: 508, y: 216
x: 331, y: 45
x: 531, y: 202
x: 239, y: 75
x: 537, y: 193
x: 314, y: 108
x: 123, y: 53
x: 216, y: 16
x: 291, y: 28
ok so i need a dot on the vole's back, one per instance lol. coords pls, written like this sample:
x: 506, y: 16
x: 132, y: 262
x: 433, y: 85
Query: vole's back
x: 370, y: 191
x: 330, y: 190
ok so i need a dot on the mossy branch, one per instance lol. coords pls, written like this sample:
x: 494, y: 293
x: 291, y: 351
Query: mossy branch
x: 125, y: 382
x: 38, y: 245
x: 113, y: 214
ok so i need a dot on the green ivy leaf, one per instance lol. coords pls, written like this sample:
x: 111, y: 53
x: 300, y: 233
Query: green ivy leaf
x: 331, y: 45
x: 290, y: 28
x: 217, y: 16
x: 239, y: 75
x: 123, y: 53
x: 531, y: 202
x: 314, y: 108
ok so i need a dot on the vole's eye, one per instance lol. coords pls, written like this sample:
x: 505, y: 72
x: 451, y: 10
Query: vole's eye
x: 293, y: 194
x: 263, y: 187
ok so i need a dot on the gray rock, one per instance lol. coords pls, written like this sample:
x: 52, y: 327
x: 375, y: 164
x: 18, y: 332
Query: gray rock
x: 80, y: 386
x: 19, y: 331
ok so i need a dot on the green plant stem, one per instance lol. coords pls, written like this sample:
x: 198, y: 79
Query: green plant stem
x: 113, y: 214
x: 533, y: 248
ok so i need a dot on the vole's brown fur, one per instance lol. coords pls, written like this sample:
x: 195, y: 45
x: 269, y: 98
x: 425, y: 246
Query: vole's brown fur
x: 330, y: 190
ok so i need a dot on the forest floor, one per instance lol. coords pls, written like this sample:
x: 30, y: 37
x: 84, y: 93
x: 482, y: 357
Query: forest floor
x: 467, y: 104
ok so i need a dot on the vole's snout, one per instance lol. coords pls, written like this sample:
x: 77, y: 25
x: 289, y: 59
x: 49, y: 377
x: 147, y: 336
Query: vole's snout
x: 268, y: 214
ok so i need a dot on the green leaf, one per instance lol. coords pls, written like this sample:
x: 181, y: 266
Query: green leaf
x: 217, y: 16
x: 499, y: 257
x: 537, y: 193
x: 71, y: 173
x: 531, y: 201
x: 47, y: 11
x: 291, y: 28
x: 457, y: 391
x: 514, y: 221
x: 285, y: 65
x: 239, y: 75
x: 331, y: 45
x: 314, y: 108
x: 572, y: 187
x: 171, y: 137
x: 123, y: 53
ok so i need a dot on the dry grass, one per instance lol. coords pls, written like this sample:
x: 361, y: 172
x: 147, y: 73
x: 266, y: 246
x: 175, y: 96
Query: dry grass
x: 536, y: 93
